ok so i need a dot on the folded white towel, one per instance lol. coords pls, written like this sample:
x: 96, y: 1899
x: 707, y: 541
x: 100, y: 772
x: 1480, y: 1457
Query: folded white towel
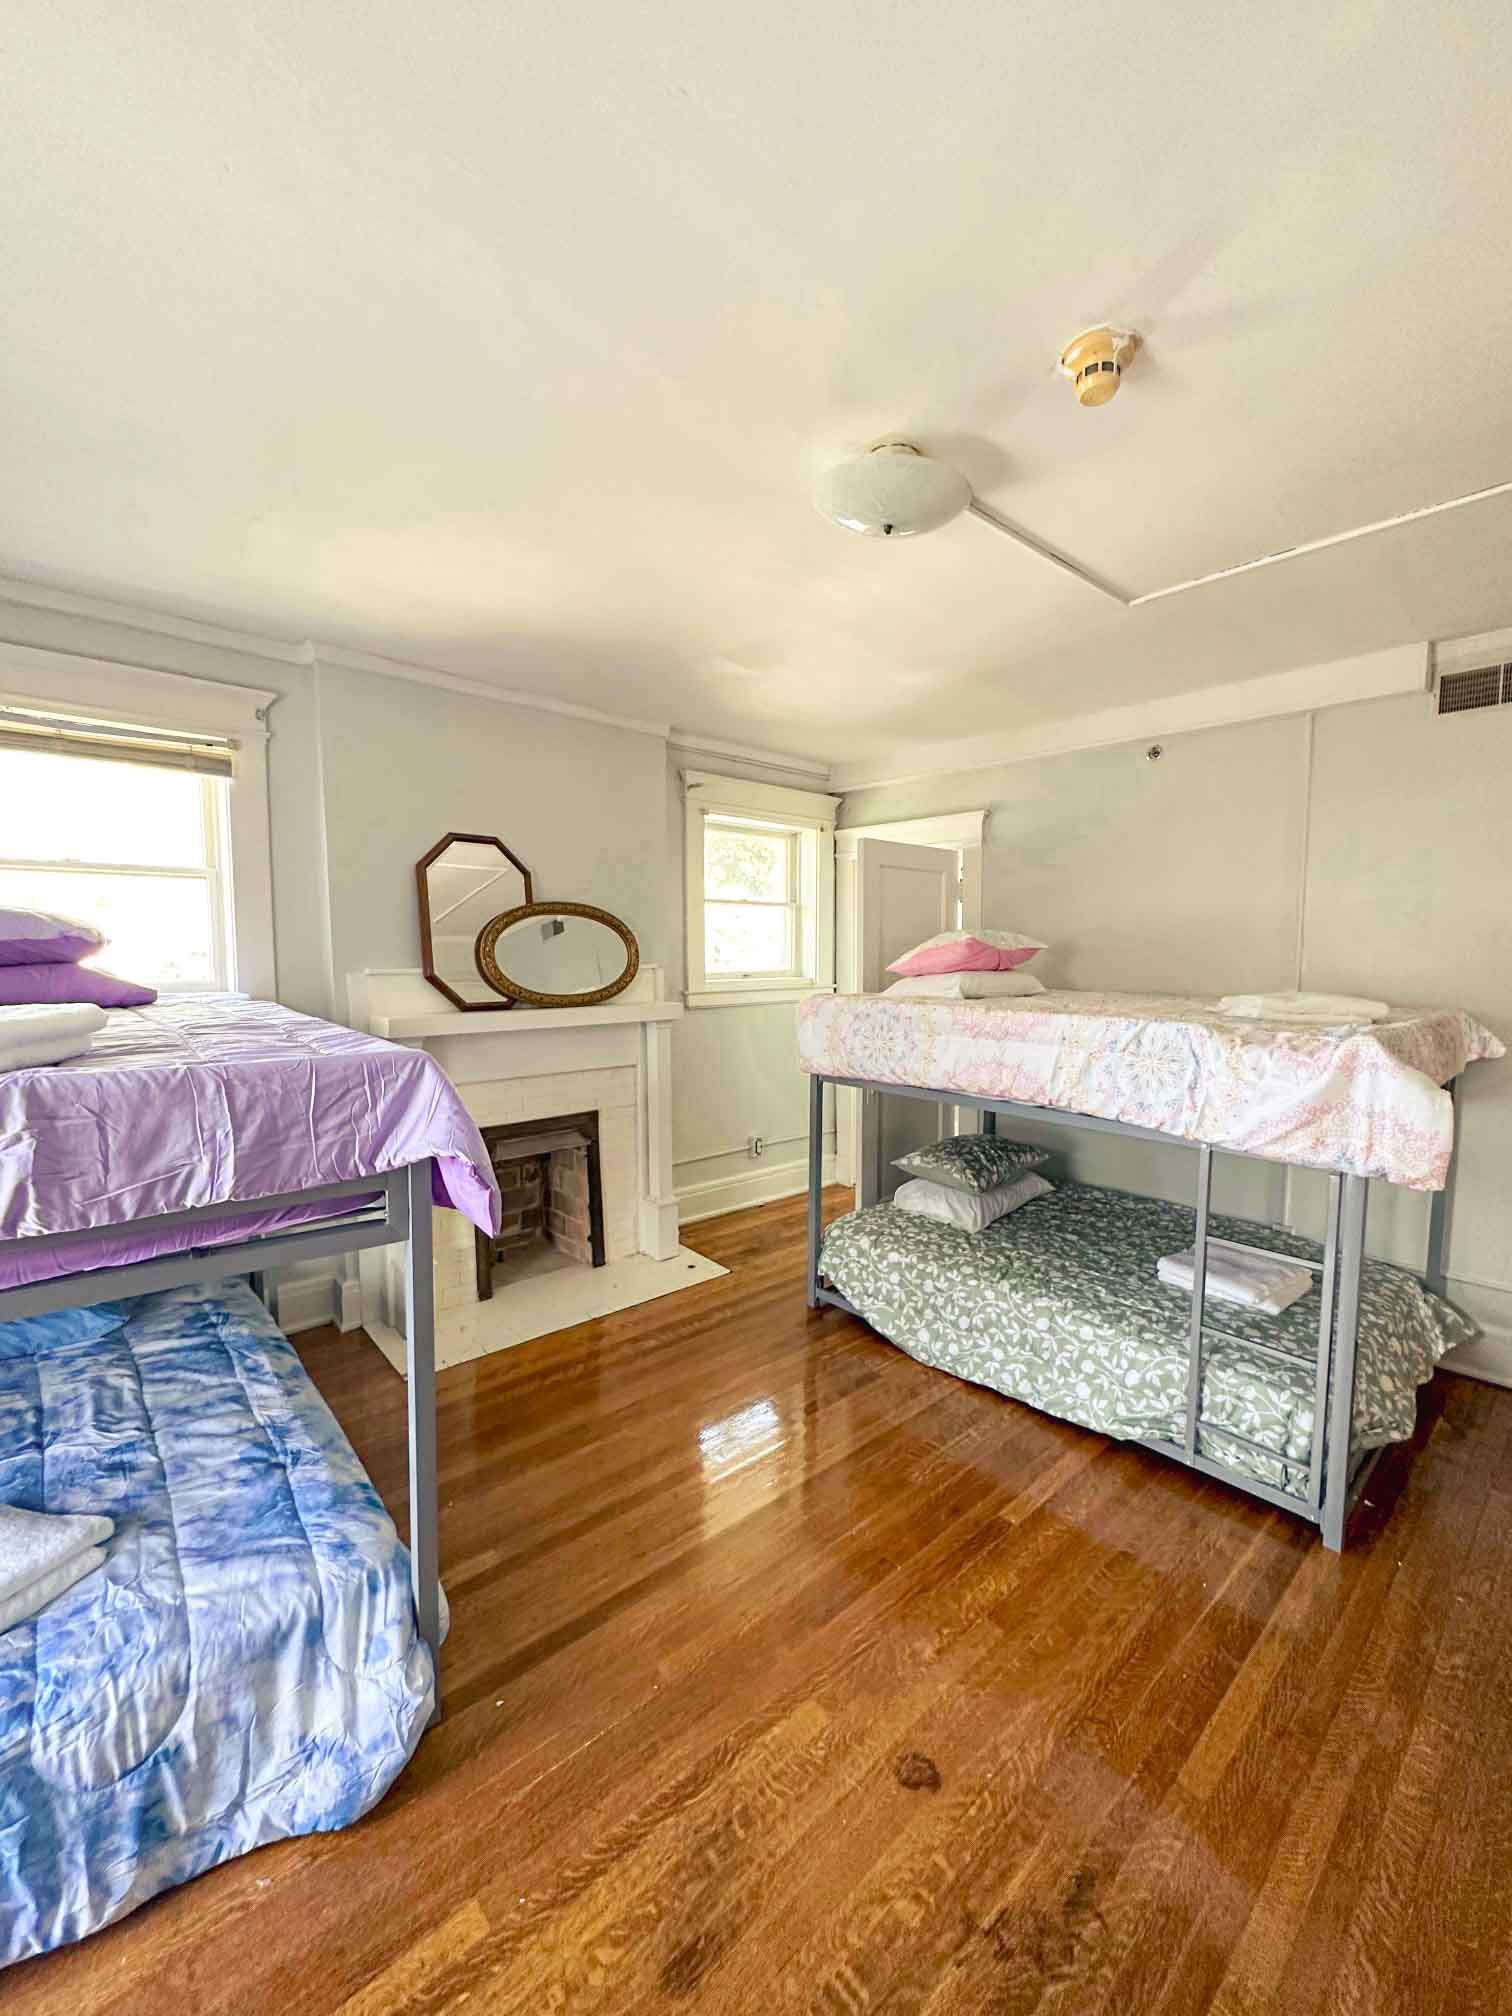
x: 1332, y: 1008
x: 35, y: 1544
x: 46, y: 1589
x: 46, y: 1032
x: 1251, y: 1280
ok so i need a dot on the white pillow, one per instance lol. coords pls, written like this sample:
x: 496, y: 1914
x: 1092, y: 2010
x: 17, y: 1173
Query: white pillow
x: 964, y: 986
x: 971, y: 1210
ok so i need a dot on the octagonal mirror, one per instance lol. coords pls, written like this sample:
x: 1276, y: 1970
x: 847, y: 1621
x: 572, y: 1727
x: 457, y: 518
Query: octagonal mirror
x: 463, y: 881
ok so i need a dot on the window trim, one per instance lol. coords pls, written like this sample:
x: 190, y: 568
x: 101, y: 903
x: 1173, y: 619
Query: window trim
x: 99, y: 689
x: 811, y: 815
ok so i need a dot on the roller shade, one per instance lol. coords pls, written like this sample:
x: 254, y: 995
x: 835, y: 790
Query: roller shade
x: 113, y: 742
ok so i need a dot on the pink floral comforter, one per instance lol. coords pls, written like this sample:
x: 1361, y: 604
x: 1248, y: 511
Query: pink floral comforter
x: 1367, y: 1101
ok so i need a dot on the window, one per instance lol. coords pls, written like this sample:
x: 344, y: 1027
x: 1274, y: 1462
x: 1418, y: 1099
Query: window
x: 760, y: 876
x: 152, y: 816
x: 138, y: 852
x: 751, y: 907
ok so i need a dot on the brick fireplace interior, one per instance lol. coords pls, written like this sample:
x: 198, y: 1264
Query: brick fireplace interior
x: 553, y: 1201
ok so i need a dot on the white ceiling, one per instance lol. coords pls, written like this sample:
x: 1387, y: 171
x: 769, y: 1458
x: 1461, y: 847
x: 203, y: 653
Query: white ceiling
x: 507, y: 339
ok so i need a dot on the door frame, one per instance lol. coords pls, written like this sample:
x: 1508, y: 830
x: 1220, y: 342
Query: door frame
x: 964, y: 833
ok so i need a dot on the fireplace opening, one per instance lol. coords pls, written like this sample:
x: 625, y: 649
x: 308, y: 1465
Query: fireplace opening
x: 553, y: 1199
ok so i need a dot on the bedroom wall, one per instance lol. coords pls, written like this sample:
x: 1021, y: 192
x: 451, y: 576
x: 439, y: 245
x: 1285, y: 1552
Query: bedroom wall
x: 1358, y: 849
x: 365, y: 771
x: 580, y: 802
x: 734, y: 1070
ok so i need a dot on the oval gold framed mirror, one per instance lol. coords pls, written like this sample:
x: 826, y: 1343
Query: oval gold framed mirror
x: 558, y: 955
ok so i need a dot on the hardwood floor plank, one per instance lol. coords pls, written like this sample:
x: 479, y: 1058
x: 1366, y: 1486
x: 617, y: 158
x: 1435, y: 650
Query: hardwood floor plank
x: 788, y: 1674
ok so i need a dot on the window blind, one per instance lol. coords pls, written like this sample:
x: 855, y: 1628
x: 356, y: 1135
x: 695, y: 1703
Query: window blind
x: 115, y: 742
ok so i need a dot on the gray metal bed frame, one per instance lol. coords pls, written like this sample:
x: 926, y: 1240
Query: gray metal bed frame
x: 388, y: 1207
x: 1332, y: 1491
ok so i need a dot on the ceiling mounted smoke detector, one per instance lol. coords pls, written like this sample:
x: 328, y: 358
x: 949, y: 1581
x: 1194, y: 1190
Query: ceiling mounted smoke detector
x: 892, y: 492
x: 1095, y: 361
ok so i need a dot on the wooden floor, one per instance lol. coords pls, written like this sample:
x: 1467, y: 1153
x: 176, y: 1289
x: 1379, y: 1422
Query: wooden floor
x: 787, y: 1675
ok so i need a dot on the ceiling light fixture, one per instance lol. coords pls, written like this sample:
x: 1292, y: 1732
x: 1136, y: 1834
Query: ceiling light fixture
x: 892, y: 492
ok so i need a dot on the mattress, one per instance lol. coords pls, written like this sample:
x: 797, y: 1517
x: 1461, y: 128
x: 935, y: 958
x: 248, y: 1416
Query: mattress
x: 1059, y: 1305
x: 1368, y: 1101
x: 207, y: 1099
x: 244, y: 1667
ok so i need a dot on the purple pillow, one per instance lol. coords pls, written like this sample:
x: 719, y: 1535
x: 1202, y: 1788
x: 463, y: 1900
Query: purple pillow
x: 22, y: 985
x: 36, y: 937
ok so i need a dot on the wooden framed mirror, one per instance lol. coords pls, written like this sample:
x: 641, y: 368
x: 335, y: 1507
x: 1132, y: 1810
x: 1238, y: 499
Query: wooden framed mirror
x: 464, y: 880
x: 558, y: 955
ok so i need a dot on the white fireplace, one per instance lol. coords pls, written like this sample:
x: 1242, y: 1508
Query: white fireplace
x: 522, y: 1065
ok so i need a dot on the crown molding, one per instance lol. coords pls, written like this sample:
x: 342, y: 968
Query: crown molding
x: 688, y: 742
x: 135, y: 616
x: 1374, y: 676
x: 308, y: 652
x: 479, y: 689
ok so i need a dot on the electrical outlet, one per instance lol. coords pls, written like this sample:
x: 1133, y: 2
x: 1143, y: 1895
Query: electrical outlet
x: 755, y: 1146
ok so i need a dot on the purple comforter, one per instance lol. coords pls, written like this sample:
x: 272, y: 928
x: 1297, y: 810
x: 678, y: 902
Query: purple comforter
x: 208, y: 1099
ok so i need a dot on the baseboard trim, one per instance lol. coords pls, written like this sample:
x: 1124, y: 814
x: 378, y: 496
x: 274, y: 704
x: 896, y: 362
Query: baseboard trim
x: 737, y: 1193
x: 306, y: 1301
x: 1490, y: 1356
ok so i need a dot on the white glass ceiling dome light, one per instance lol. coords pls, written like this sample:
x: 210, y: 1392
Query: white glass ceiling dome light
x: 892, y: 492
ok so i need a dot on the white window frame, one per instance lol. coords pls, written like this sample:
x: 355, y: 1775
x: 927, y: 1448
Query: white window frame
x: 97, y: 689
x: 810, y: 816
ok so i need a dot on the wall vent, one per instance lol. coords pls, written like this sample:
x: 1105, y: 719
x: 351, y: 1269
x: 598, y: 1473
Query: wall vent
x: 1476, y: 686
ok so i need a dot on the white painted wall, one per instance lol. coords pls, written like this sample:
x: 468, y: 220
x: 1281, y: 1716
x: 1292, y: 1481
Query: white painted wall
x: 734, y: 1070
x: 1371, y: 861
x: 366, y: 771
x: 581, y: 803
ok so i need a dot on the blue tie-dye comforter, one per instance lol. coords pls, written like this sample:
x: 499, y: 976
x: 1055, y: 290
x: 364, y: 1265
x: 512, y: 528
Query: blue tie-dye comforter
x: 245, y: 1666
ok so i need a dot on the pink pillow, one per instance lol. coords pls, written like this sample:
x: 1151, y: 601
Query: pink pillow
x: 968, y: 952
x: 24, y: 985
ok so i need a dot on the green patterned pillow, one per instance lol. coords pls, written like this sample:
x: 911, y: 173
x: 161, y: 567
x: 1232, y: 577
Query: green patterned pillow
x: 972, y: 1161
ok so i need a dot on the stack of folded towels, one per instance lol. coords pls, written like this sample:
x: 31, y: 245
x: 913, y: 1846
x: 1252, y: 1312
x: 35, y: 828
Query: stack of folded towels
x: 1266, y: 1283
x: 971, y: 1180
x: 40, y: 1035
x: 51, y: 1003
x: 1350, y: 1009
x: 42, y: 1554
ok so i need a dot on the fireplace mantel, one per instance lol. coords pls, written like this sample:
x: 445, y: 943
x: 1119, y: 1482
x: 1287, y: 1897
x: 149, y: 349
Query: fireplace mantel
x: 404, y: 1007
x: 530, y: 1064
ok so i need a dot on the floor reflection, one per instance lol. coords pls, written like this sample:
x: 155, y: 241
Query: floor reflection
x: 740, y: 1439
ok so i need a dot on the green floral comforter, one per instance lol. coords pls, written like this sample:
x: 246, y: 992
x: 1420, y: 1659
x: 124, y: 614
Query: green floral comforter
x: 1059, y: 1305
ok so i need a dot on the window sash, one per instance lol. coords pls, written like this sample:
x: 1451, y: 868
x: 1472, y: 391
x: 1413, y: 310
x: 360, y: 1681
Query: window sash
x: 790, y: 905
x: 792, y: 912
x: 211, y: 872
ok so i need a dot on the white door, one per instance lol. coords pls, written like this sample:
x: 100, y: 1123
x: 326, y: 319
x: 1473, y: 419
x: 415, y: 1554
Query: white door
x: 904, y: 893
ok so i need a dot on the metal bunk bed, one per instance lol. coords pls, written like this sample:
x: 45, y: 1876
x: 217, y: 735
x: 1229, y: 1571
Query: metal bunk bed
x: 1333, y: 1486
x: 388, y: 1207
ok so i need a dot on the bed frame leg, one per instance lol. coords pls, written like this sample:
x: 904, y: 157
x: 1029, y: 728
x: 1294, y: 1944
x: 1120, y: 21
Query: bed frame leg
x: 1440, y: 1218
x: 1346, y: 1337
x: 420, y: 1367
x: 1199, y: 1299
x: 815, y: 1186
